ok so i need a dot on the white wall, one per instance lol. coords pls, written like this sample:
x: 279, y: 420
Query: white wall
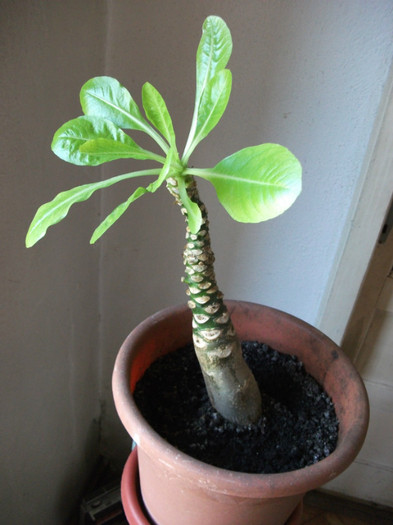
x: 309, y: 75
x: 49, y: 307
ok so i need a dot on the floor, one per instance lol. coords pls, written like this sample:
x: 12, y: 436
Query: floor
x: 324, y: 509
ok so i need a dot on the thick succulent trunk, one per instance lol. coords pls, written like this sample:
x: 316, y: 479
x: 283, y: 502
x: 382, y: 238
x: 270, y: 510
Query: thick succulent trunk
x: 231, y: 385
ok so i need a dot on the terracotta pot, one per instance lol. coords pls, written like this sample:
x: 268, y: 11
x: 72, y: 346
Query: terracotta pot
x: 177, y: 489
x: 132, y: 500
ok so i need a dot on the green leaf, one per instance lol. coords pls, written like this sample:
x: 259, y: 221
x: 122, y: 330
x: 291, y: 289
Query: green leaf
x: 164, y: 173
x: 90, y: 141
x: 257, y: 183
x: 194, y: 215
x: 54, y: 211
x: 105, y: 97
x: 121, y: 208
x: 108, y: 150
x: 213, y: 104
x: 115, y: 215
x: 157, y: 112
x: 213, y: 54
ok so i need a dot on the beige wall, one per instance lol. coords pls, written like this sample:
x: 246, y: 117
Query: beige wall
x: 49, y: 296
x: 307, y: 74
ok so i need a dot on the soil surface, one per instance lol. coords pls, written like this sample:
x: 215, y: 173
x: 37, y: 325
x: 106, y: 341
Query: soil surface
x: 298, y: 427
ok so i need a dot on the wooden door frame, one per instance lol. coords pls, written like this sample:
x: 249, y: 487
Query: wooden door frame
x: 371, y: 203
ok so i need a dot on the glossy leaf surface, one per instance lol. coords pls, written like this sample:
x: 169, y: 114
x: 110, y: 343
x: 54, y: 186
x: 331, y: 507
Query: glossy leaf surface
x: 105, y: 97
x: 108, y: 149
x: 213, y: 53
x: 157, y: 112
x: 257, y: 183
x: 90, y: 141
x: 213, y: 103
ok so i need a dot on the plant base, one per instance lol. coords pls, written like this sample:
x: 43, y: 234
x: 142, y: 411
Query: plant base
x: 132, y: 500
x: 179, y: 489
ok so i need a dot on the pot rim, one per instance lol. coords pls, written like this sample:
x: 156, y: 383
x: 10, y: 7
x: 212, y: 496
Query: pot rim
x: 219, y: 479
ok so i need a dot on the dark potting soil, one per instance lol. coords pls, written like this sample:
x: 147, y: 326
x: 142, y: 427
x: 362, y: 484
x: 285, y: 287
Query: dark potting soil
x: 298, y: 427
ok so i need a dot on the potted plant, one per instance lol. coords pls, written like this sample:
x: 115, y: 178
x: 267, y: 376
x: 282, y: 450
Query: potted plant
x: 254, y: 184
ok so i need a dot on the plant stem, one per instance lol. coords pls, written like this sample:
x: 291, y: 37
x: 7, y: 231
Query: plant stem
x: 230, y: 384
x: 156, y: 137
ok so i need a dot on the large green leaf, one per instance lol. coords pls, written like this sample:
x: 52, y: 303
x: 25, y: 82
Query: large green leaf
x: 213, y: 104
x: 213, y: 54
x: 54, y: 211
x: 105, y: 97
x: 257, y: 183
x: 89, y: 141
x: 121, y: 208
x: 157, y: 112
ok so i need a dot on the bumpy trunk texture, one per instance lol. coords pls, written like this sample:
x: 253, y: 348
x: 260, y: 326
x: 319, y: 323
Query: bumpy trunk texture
x: 230, y: 384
